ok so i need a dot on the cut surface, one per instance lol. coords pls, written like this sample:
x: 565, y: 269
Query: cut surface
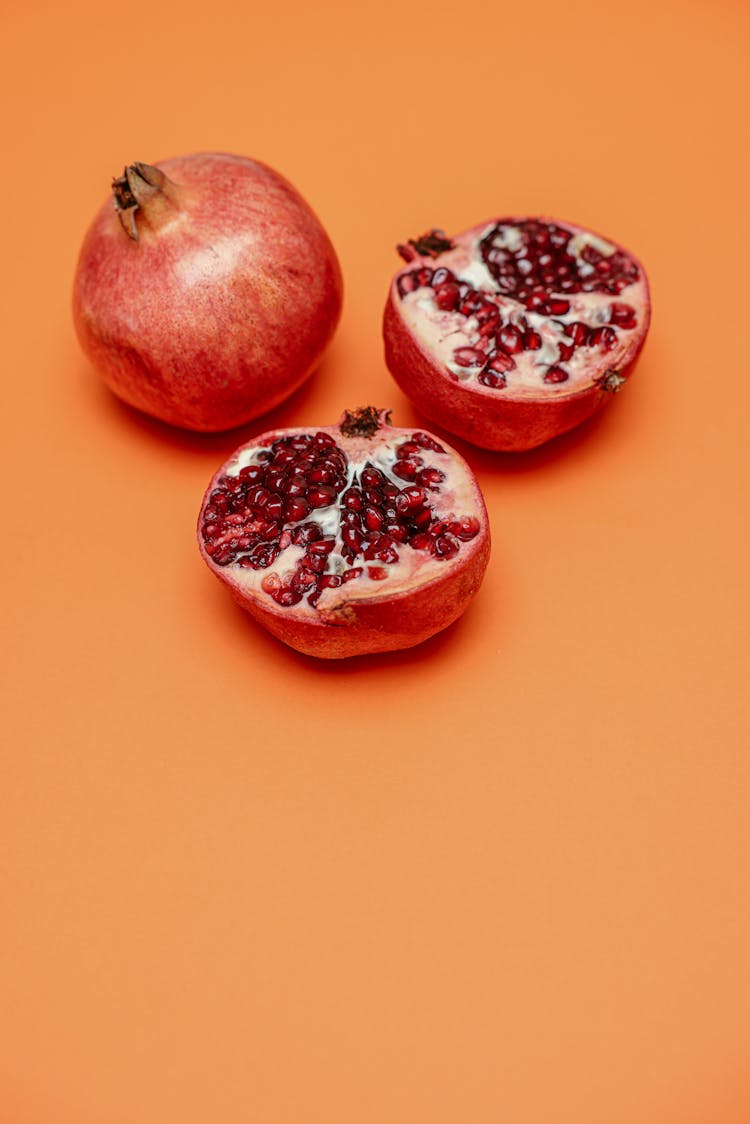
x: 310, y: 520
x: 524, y: 308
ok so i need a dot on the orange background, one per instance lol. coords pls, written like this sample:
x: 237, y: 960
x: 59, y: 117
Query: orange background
x: 501, y: 878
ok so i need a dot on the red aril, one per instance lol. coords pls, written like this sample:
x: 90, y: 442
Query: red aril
x: 349, y: 539
x: 516, y: 330
x: 206, y: 290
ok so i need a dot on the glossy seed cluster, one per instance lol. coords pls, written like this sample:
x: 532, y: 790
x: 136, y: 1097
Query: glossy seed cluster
x: 529, y: 260
x: 532, y: 264
x: 346, y: 521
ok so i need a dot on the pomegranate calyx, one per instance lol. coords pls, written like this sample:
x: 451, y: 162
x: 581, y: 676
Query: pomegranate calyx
x: 364, y: 422
x: 611, y: 381
x: 141, y: 187
x: 429, y: 245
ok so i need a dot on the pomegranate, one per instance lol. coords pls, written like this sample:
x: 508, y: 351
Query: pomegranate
x: 208, y: 292
x: 516, y: 330
x: 350, y: 539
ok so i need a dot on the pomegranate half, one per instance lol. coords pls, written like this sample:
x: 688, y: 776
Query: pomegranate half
x: 206, y: 290
x: 349, y: 539
x: 516, y: 330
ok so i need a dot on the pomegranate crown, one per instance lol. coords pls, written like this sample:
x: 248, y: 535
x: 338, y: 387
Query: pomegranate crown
x: 364, y: 421
x: 429, y: 245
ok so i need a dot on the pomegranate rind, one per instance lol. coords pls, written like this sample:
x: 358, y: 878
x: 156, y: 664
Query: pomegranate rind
x: 363, y: 617
x: 223, y: 311
x: 501, y: 421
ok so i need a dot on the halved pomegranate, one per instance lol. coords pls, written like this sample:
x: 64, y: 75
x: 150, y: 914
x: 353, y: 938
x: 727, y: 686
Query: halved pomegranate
x: 516, y: 330
x: 349, y: 539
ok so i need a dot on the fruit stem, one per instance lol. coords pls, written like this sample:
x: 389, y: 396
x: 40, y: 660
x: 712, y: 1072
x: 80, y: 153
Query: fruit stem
x: 145, y: 191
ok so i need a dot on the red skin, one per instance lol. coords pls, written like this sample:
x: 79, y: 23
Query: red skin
x: 224, y: 305
x: 355, y: 624
x: 489, y: 418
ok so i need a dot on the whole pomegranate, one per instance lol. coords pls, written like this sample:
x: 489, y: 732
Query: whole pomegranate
x: 349, y: 539
x: 206, y: 290
x: 516, y: 330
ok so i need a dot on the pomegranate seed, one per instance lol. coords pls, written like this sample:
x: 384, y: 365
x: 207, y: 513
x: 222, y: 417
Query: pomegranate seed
x: 532, y: 340
x: 352, y: 500
x: 323, y: 441
x: 441, y: 276
x: 471, y: 303
x: 287, y: 597
x: 349, y: 575
x: 466, y: 528
x: 535, y: 301
x: 421, y: 519
x: 407, y: 469
x: 267, y: 531
x: 488, y: 319
x: 383, y: 549
x: 468, y: 357
x: 500, y: 363
x: 565, y: 351
x: 263, y: 555
x: 407, y: 449
x: 606, y: 336
x: 493, y: 380
x: 321, y: 496
x: 431, y: 478
x: 446, y: 297
x: 296, y: 486
x: 511, y: 340
x: 556, y: 374
x: 329, y: 581
x: 257, y: 498
x: 304, y: 579
x: 410, y: 500
x: 623, y: 315
x: 422, y: 541
x: 424, y: 441
x: 377, y: 573
x: 275, y: 508
x: 371, y: 477
x: 324, y: 474
x: 445, y: 546
x: 373, y: 519
x: 352, y: 538
x: 285, y: 540
x: 306, y: 533
x: 578, y: 332
x: 556, y: 306
x: 424, y: 276
x: 276, y: 479
x: 321, y: 546
x: 251, y: 473
x: 316, y: 562
x: 270, y: 583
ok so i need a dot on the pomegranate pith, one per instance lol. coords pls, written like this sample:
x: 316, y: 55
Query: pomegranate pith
x: 206, y: 290
x: 347, y: 539
x: 516, y: 330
